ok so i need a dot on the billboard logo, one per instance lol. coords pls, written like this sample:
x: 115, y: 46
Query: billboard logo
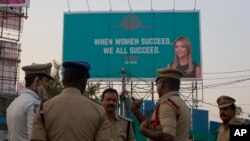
x: 131, y: 22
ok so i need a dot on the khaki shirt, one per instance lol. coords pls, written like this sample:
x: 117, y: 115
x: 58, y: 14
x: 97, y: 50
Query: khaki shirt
x: 71, y: 117
x: 119, y: 129
x: 167, y: 116
x: 223, y: 130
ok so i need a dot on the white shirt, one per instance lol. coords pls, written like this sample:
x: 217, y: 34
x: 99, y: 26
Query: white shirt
x: 20, y: 115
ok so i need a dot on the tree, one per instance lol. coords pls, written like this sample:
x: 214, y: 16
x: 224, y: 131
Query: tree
x: 238, y: 111
x: 91, y: 90
x: 55, y: 85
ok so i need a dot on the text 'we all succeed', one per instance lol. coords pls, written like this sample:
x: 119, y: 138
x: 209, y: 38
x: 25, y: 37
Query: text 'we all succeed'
x: 131, y: 45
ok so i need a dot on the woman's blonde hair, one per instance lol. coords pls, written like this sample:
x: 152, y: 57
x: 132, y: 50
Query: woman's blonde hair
x: 187, y: 44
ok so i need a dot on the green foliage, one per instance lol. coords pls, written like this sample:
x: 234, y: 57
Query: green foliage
x: 55, y: 84
x: 91, y: 90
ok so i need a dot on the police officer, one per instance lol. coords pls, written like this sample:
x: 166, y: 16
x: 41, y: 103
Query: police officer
x: 21, y: 112
x: 171, y: 119
x: 227, y: 110
x: 70, y: 116
x: 121, y: 127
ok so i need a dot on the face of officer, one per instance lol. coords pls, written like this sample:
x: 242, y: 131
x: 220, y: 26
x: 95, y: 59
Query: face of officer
x: 227, y: 113
x: 160, y: 87
x: 110, y: 102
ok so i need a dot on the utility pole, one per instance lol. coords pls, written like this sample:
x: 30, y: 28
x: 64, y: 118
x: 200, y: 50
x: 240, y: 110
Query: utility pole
x: 124, y: 95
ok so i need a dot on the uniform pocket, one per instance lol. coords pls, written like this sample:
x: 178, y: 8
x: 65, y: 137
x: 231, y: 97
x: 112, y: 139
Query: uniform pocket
x: 122, y: 134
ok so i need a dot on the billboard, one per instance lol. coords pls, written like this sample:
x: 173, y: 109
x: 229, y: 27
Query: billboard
x: 14, y: 3
x: 138, y: 42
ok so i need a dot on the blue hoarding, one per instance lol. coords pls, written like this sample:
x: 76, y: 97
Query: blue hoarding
x: 139, y: 42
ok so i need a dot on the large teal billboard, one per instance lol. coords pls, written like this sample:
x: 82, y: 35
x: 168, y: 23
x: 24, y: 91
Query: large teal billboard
x: 139, y: 42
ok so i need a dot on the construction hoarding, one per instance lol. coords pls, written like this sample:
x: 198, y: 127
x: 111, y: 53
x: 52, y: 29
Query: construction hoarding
x: 14, y: 3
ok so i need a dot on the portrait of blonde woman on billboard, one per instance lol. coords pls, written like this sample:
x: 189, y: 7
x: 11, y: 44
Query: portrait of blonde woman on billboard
x: 183, y: 58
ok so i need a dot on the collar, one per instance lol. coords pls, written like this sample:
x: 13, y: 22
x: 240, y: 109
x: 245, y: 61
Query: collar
x: 117, y: 117
x: 237, y: 121
x: 231, y: 122
x: 30, y: 92
x: 169, y: 94
x: 71, y: 91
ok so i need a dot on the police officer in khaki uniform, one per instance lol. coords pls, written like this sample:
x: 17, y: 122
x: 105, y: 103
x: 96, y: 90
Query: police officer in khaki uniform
x: 121, y: 127
x: 70, y: 116
x: 21, y: 112
x: 171, y: 119
x: 227, y: 114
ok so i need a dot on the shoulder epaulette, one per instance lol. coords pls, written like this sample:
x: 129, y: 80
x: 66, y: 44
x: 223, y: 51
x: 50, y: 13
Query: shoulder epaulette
x: 237, y: 121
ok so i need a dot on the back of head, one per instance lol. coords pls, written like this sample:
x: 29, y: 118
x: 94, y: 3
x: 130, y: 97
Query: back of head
x: 75, y: 74
x: 171, y: 77
x: 36, y: 70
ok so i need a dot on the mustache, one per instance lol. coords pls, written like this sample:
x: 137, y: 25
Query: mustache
x: 222, y: 114
x: 111, y: 105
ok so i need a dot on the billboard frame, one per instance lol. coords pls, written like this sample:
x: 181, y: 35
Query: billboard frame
x: 128, y: 12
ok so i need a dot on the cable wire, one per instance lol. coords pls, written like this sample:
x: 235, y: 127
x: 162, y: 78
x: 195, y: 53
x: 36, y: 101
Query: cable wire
x: 110, y: 7
x: 151, y: 5
x: 228, y: 72
x: 68, y: 5
x: 194, y: 5
x: 245, y: 76
x: 88, y: 5
x: 174, y: 5
x: 129, y: 4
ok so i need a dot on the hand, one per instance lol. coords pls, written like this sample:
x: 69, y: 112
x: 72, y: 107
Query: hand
x: 145, y: 125
x: 136, y: 104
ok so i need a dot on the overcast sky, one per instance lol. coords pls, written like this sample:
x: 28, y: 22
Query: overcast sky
x: 225, y: 35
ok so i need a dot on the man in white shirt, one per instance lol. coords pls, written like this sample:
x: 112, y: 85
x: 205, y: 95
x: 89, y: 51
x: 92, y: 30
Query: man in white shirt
x: 21, y: 112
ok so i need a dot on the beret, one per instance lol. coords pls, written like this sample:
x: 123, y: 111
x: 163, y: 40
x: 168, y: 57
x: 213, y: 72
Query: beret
x: 77, y: 67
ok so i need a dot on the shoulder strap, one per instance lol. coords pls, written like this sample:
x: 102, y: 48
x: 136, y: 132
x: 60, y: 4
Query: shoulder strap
x: 128, y: 129
x: 42, y: 117
x: 177, y: 107
x: 42, y: 114
x: 156, y: 121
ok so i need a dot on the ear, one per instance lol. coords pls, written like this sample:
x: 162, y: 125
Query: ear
x: 162, y: 84
x: 39, y: 80
x: 35, y: 83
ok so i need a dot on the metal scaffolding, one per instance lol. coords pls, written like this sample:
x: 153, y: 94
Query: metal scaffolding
x: 191, y: 91
x: 11, y: 25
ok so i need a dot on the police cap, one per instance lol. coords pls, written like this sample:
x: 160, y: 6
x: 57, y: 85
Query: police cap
x: 38, y: 69
x: 169, y: 73
x: 77, y: 67
x: 225, y: 101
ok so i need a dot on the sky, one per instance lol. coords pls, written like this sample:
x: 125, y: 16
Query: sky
x: 224, y: 29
